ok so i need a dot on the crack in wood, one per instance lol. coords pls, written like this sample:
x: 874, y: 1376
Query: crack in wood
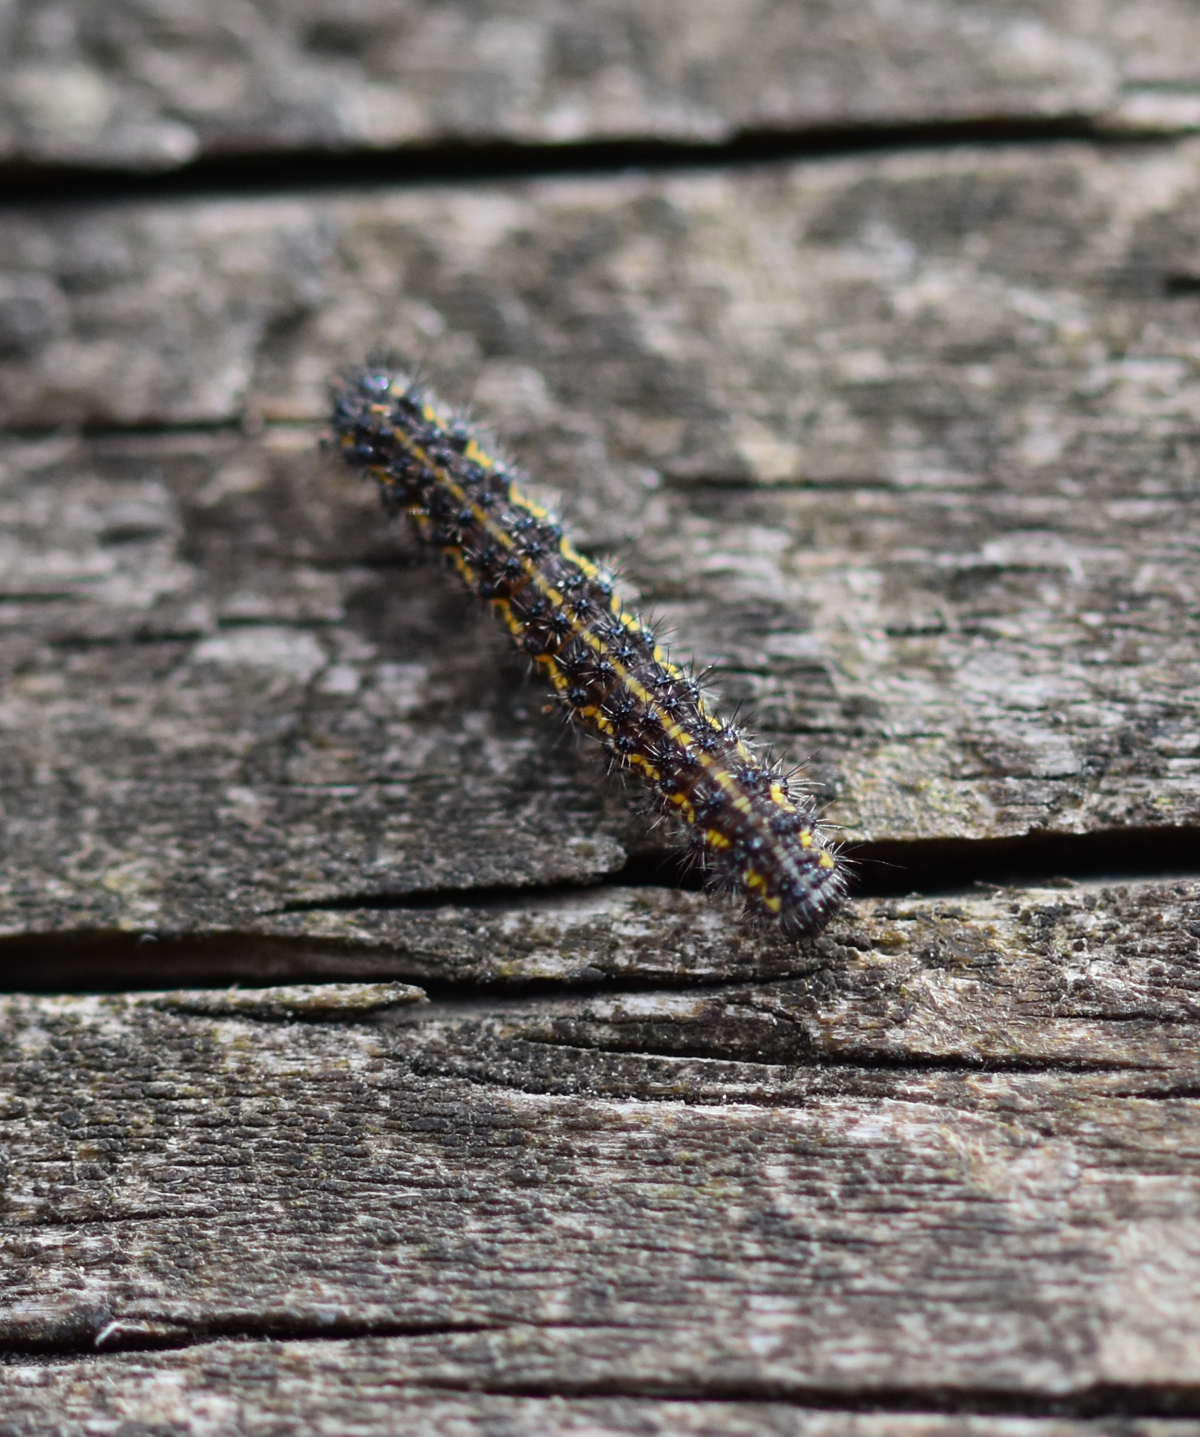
x: 1127, y: 1401
x: 273, y: 173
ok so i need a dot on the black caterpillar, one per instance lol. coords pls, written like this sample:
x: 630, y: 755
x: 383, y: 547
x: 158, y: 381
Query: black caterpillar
x: 605, y: 665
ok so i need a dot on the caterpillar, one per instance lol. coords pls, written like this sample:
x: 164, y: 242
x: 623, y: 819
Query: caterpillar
x: 605, y: 665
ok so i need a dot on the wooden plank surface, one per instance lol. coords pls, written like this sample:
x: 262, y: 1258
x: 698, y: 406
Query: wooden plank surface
x: 903, y: 448
x: 364, y: 1394
x: 658, y: 1193
x: 902, y: 444
x: 619, y: 1216
x: 152, y: 85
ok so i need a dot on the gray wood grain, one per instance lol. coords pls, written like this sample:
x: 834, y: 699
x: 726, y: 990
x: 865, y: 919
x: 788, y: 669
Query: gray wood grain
x: 1074, y: 951
x: 144, y: 84
x: 587, y: 1212
x: 902, y: 447
x: 376, y: 1386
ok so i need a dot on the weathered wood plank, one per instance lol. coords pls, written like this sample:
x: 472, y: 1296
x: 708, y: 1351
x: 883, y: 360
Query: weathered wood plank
x: 152, y: 85
x: 373, y: 1386
x: 773, y: 324
x: 904, y: 446
x: 155, y: 705
x: 266, y: 700
x: 1088, y: 978
x: 907, y: 447
x: 859, y: 1229
x: 1011, y: 974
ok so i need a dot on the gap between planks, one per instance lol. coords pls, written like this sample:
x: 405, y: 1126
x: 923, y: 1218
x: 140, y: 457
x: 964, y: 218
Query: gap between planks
x: 457, y: 164
x: 244, y: 1343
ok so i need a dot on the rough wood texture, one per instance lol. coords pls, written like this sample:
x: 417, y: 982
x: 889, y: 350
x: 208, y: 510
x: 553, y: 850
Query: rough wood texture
x: 904, y: 445
x: 151, y: 84
x: 905, y: 448
x: 284, y: 1389
x: 1136, y: 941
x: 565, y: 1195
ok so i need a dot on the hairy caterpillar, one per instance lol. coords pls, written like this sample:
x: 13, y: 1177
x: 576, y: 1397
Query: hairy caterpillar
x: 602, y: 661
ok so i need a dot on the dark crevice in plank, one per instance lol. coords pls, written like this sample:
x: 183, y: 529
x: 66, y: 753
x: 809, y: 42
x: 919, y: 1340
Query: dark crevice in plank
x: 1100, y: 1401
x: 151, y: 429
x: 98, y: 1335
x: 933, y: 867
x: 99, y: 961
x: 1182, y: 1401
x: 857, y: 1062
x: 1149, y: 282
x: 944, y: 866
x: 1181, y: 284
x: 95, y: 960
x: 454, y: 164
x: 1182, y: 1092
x: 490, y: 899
